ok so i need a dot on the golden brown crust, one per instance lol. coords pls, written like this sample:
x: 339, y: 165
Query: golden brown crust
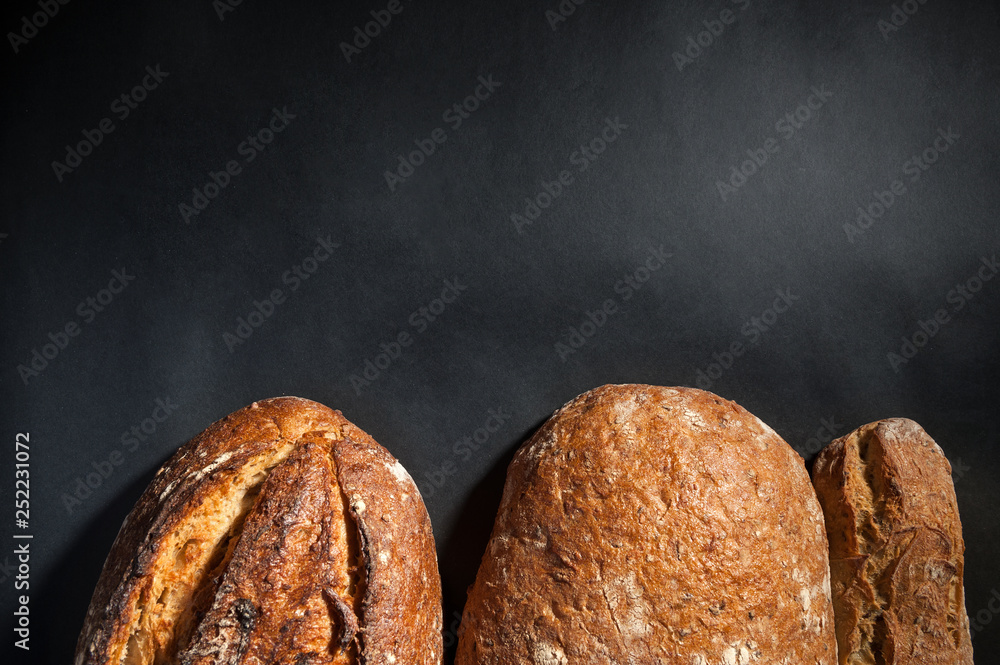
x: 896, y: 547
x: 397, y: 544
x: 285, y: 574
x: 643, y: 524
x: 251, y: 545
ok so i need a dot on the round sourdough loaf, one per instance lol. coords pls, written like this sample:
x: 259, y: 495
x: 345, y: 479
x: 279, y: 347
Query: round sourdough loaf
x: 281, y: 534
x: 644, y: 524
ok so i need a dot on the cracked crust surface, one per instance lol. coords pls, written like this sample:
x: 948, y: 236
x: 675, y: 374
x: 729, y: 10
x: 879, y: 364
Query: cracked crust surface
x: 282, y: 533
x: 644, y: 524
x: 896, y: 548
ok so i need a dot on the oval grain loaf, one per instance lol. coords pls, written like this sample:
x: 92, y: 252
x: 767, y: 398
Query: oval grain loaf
x: 896, y: 548
x: 281, y: 534
x: 644, y: 524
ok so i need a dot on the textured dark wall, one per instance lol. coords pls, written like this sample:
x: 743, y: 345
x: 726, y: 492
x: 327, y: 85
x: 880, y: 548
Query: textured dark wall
x: 585, y: 215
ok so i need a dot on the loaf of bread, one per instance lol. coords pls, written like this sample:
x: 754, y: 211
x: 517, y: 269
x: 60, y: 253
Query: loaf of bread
x: 896, y: 548
x: 281, y: 534
x: 644, y: 524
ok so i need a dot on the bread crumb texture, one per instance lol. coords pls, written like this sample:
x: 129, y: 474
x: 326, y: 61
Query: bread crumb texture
x: 281, y: 534
x: 644, y: 524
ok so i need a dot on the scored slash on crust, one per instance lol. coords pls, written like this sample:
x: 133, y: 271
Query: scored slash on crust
x: 896, y: 546
x: 282, y: 545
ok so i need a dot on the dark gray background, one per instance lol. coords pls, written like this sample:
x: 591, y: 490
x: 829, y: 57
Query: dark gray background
x: 823, y: 361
